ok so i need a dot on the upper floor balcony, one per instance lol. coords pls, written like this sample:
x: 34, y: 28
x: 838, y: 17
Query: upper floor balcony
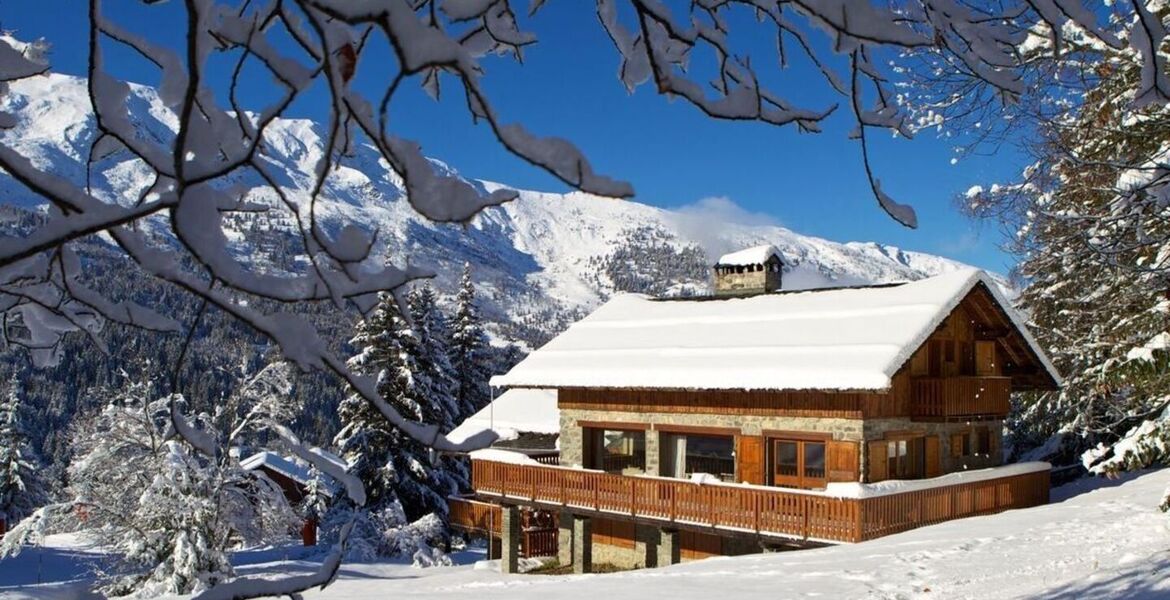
x: 961, y: 398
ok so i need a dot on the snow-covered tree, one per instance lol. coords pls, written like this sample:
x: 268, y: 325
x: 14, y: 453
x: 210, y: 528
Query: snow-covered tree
x: 435, y: 384
x: 170, y: 223
x: 22, y: 489
x: 170, y: 510
x: 404, y: 484
x: 1089, y: 220
x: 469, y: 350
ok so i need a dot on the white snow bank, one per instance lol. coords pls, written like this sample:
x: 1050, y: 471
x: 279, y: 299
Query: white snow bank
x: 1098, y: 538
x: 514, y: 412
x: 842, y: 339
x: 898, y: 486
x: 504, y: 456
x: 756, y: 255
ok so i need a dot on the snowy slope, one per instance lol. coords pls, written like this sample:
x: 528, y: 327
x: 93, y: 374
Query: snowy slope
x: 1097, y: 539
x: 540, y: 262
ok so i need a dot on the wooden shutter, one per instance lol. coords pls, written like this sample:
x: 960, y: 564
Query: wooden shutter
x: 878, y: 468
x: 843, y: 461
x: 933, y: 463
x: 587, y: 457
x: 956, y: 445
x: 749, y: 459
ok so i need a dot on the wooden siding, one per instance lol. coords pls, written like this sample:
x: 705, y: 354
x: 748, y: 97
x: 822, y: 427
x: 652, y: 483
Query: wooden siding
x: 742, y: 509
x: 613, y: 532
x: 841, y: 405
x: 694, y: 545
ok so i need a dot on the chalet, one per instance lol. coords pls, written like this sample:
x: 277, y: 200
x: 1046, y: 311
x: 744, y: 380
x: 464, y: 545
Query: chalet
x: 292, y: 477
x: 761, y: 418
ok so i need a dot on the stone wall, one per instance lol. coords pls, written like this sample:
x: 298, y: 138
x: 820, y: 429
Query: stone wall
x: 840, y: 429
x: 571, y: 432
x: 875, y: 429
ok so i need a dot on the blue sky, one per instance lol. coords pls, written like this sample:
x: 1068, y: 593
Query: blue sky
x: 674, y: 155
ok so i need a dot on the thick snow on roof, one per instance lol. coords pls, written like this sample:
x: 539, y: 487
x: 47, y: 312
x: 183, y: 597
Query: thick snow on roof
x: 756, y: 255
x: 278, y: 463
x: 843, y: 339
x: 514, y: 412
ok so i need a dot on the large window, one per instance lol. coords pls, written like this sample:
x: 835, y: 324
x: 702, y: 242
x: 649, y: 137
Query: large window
x: 616, y: 450
x: 798, y: 463
x: 684, y: 455
x: 906, y: 458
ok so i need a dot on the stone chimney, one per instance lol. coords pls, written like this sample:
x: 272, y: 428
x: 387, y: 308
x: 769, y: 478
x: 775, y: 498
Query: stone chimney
x: 755, y: 270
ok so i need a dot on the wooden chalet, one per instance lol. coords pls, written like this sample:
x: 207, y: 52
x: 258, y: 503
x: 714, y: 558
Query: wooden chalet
x: 293, y: 480
x: 748, y: 420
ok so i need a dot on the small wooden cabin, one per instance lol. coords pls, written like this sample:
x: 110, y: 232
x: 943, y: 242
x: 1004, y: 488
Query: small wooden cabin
x: 720, y: 425
x: 293, y: 479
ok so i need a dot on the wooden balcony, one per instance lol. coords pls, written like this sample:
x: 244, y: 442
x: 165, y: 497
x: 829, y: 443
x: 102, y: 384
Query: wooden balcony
x: 485, y: 518
x: 766, y: 512
x: 959, y: 398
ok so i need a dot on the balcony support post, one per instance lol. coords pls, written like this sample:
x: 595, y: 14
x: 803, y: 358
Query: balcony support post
x: 582, y: 544
x: 565, y: 538
x: 510, y: 539
x: 669, y: 550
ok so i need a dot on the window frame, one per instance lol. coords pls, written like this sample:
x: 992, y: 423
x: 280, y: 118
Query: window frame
x: 594, y: 434
x: 802, y: 479
x: 667, y: 449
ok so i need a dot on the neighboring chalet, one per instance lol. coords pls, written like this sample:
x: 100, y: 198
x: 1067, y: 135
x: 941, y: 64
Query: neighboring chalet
x: 759, y: 418
x: 293, y: 479
x: 524, y: 420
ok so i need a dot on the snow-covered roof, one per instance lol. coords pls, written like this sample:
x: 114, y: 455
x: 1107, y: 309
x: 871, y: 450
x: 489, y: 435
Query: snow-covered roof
x: 512, y: 413
x: 756, y: 255
x: 843, y: 339
x: 295, y: 470
x: 278, y: 463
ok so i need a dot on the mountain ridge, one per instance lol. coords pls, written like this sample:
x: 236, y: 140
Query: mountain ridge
x: 540, y: 261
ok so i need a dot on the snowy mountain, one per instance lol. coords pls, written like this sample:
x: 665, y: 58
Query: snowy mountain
x: 540, y: 261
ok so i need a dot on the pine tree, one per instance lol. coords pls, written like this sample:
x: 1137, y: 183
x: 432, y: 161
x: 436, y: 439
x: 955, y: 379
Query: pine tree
x: 469, y: 351
x: 396, y: 469
x: 1094, y: 239
x: 22, y: 490
x: 434, y: 381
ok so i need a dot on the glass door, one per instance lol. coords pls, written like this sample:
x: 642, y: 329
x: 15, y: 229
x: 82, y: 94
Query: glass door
x: 798, y: 463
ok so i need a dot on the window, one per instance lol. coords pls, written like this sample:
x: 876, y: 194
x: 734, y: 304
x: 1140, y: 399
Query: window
x: 974, y: 442
x: 798, y: 463
x: 906, y: 458
x: 686, y: 454
x: 616, y: 450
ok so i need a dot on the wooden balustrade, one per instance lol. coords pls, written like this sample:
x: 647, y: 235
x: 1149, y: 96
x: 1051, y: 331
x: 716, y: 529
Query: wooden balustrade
x: 771, y: 512
x: 960, y: 397
x: 485, y: 518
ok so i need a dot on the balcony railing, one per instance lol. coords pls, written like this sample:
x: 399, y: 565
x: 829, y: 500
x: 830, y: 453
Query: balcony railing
x: 960, y: 398
x: 742, y: 508
x: 485, y: 518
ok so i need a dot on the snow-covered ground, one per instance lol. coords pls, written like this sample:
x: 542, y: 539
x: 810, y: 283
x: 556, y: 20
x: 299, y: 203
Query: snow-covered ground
x: 1097, y: 539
